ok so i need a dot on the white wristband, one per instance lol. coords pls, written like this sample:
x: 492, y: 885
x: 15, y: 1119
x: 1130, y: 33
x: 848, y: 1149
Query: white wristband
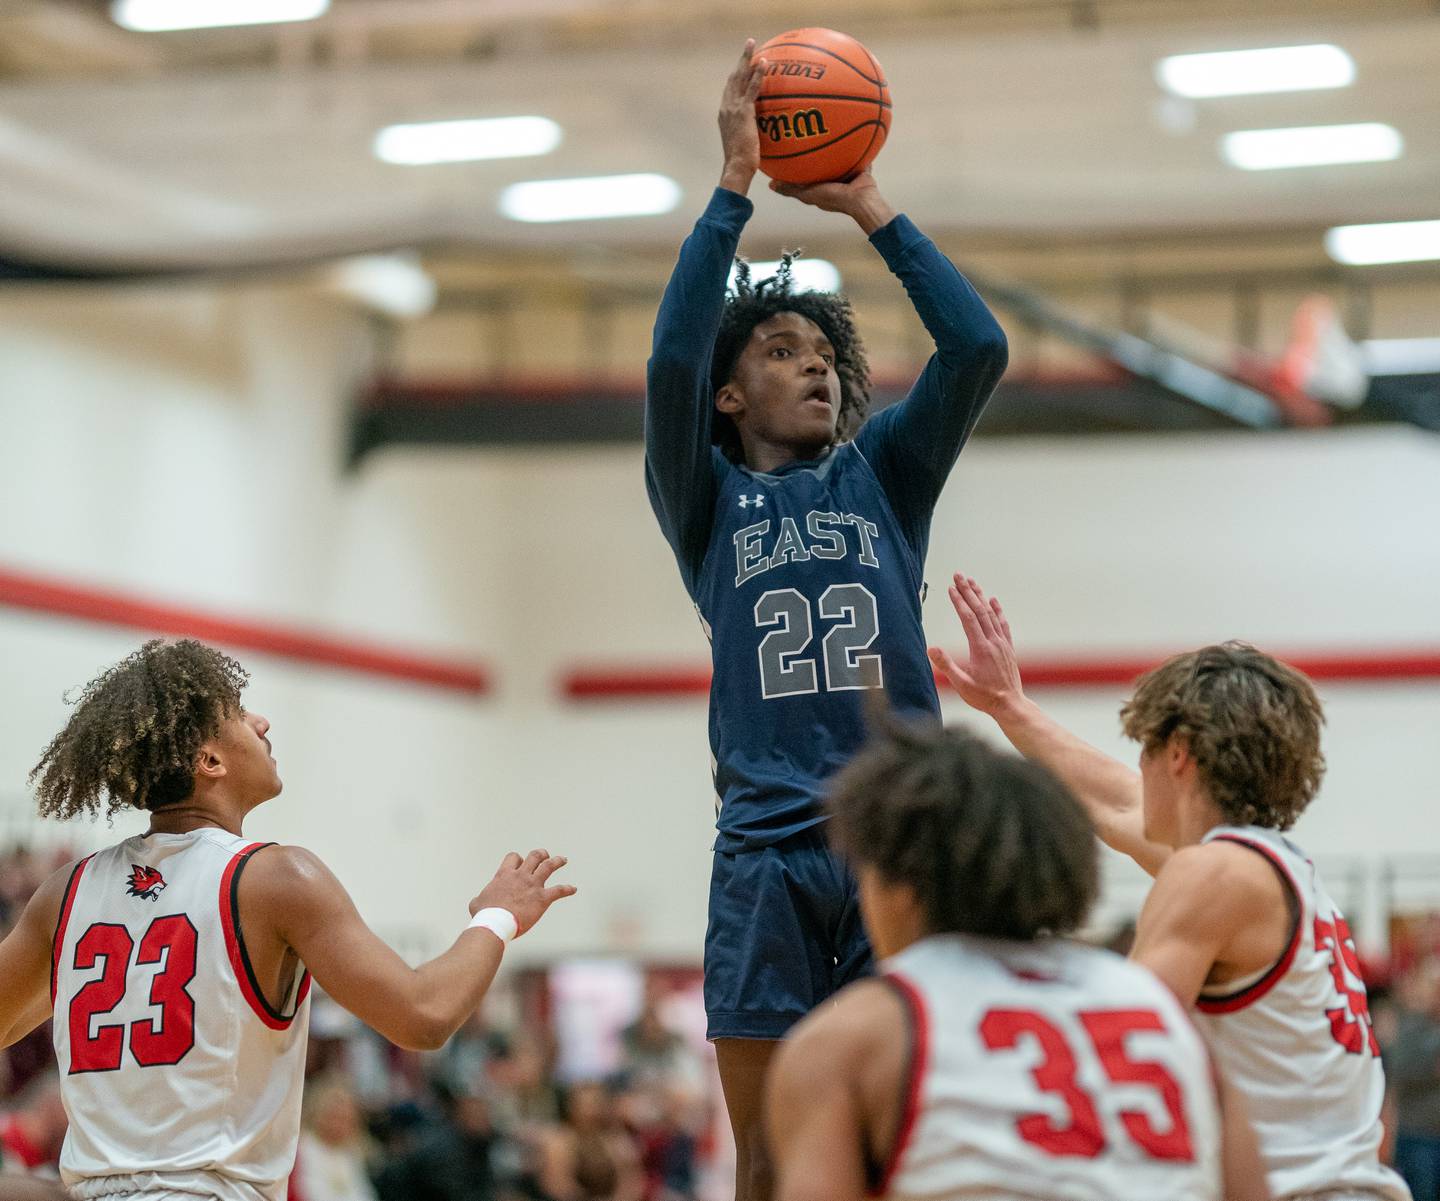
x: 500, y: 922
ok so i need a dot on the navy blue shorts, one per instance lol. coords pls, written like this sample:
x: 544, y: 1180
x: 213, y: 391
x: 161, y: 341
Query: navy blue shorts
x: 784, y: 934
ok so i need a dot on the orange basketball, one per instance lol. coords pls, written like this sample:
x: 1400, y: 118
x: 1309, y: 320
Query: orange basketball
x: 823, y: 107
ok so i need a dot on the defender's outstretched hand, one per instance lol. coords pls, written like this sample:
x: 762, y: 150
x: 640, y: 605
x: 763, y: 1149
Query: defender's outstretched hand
x: 520, y: 886
x: 990, y: 680
x: 739, y: 134
x: 858, y: 198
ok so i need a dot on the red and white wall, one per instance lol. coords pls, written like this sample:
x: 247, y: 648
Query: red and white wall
x: 173, y: 458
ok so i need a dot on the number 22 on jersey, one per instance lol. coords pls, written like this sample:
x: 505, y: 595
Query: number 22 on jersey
x: 786, y: 613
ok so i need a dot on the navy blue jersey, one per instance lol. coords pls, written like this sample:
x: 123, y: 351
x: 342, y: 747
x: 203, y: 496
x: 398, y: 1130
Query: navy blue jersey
x: 808, y: 579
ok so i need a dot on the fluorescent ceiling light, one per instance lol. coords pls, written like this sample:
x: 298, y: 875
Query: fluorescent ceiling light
x: 808, y: 275
x: 154, y: 16
x: 466, y: 141
x: 1244, y: 72
x: 394, y: 284
x: 1389, y: 242
x: 590, y: 198
x: 1311, y: 146
x: 1401, y: 356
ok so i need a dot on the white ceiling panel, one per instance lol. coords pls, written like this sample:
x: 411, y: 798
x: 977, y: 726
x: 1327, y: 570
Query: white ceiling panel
x: 1035, y: 130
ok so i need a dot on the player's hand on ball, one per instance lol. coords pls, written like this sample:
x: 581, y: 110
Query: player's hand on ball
x: 841, y: 196
x: 990, y: 680
x: 858, y: 198
x: 522, y: 886
x: 739, y: 133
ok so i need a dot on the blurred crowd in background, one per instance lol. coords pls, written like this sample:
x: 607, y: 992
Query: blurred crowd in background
x: 628, y: 1111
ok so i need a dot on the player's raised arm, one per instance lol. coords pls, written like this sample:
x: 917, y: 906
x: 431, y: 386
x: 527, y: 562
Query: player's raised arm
x: 679, y: 463
x: 25, y: 961
x: 913, y: 445
x: 289, y: 893
x: 990, y: 683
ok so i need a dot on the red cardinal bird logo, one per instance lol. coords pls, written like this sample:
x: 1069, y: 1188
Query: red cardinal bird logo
x: 145, y: 882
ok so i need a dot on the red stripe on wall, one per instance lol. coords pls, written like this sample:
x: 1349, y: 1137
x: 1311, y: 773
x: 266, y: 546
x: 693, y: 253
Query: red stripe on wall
x: 621, y: 683
x: 102, y: 606
x: 1354, y: 667
x: 611, y: 683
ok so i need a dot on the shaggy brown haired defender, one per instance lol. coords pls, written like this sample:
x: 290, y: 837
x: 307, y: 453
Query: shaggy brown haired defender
x: 1251, y: 723
x: 137, y: 729
x: 1239, y: 922
x: 992, y: 845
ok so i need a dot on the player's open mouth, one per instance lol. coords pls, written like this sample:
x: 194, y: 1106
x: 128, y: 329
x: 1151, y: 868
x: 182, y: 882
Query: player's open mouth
x: 818, y: 396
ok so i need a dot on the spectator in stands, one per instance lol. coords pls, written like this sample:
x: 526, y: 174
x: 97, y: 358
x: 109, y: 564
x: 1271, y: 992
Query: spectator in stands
x: 1412, y: 1068
x: 654, y: 1054
x: 667, y: 1122
x: 455, y: 1160
x: 524, y: 1096
x: 21, y: 871
x: 32, y: 1132
x: 27, y: 1060
x: 331, y: 1162
x: 590, y: 1156
x: 467, y: 1055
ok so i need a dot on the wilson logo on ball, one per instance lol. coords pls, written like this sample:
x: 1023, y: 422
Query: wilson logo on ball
x: 779, y: 127
x: 823, y: 109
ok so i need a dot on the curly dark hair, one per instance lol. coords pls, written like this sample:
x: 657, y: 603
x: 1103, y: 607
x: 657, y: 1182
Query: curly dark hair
x: 749, y: 304
x: 137, y: 729
x: 1251, y: 722
x: 992, y: 845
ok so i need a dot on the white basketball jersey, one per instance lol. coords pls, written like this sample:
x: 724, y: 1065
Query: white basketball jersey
x: 1296, y: 1041
x: 175, y: 1071
x: 1051, y: 1072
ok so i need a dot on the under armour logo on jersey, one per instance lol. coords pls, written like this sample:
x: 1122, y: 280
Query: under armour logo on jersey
x: 145, y: 882
x: 758, y: 500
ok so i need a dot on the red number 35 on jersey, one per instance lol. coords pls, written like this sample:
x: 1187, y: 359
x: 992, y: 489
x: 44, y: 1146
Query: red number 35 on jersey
x: 1082, y: 1135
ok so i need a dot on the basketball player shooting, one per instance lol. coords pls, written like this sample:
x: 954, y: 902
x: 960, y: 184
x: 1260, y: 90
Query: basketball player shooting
x: 801, y: 537
x: 993, y: 1057
x: 1238, y: 922
x: 177, y: 964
